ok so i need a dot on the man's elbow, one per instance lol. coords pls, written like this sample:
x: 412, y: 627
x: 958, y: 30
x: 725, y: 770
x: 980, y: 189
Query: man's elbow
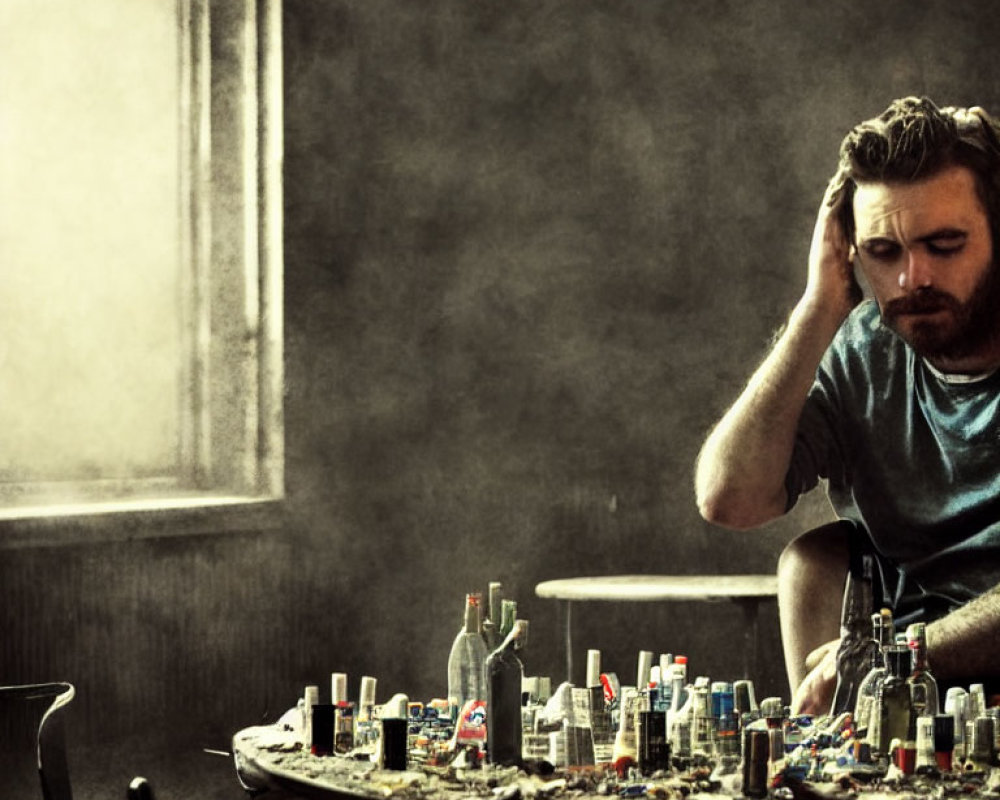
x: 735, y: 510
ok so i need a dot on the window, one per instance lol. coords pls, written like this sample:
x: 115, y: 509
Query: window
x: 140, y: 254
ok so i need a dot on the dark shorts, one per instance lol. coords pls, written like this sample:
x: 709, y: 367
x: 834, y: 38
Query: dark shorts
x: 908, y: 601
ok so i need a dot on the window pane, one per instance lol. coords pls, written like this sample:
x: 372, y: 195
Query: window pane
x: 90, y: 346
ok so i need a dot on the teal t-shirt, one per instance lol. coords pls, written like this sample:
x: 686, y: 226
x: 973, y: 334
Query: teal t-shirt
x: 910, y: 457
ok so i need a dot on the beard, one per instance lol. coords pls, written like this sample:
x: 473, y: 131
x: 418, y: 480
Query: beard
x: 973, y: 327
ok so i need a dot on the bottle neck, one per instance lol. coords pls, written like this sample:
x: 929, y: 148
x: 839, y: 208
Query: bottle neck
x: 508, y: 613
x: 857, y: 608
x: 473, y: 621
x: 495, y: 598
x: 918, y: 654
x: 516, y: 638
x: 885, y: 633
x: 897, y: 661
x: 916, y: 637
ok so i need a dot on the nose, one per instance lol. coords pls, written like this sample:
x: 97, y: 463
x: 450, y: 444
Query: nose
x: 916, y: 272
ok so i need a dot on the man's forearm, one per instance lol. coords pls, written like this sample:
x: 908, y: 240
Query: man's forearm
x: 741, y: 469
x: 966, y: 643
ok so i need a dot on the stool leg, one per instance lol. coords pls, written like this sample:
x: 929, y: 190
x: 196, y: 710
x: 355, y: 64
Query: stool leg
x: 569, y: 640
x: 750, y: 608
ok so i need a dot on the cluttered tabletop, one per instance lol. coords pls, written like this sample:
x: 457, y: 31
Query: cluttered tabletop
x: 505, y: 735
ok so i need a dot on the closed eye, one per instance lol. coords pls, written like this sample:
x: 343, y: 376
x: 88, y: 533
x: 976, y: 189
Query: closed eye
x: 945, y: 245
x: 881, y: 249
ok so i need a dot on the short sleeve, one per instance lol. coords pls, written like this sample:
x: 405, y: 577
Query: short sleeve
x: 820, y: 443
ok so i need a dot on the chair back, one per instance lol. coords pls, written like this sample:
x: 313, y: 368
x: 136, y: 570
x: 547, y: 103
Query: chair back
x: 53, y: 769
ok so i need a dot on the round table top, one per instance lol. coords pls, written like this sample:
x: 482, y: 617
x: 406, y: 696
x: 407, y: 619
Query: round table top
x: 660, y: 587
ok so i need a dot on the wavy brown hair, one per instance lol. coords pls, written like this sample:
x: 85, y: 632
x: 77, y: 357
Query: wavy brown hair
x: 914, y: 139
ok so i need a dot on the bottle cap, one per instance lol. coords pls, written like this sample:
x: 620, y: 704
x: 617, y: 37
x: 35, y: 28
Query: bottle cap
x: 955, y: 696
x: 338, y: 688
x: 772, y: 707
x: 593, y: 668
x: 744, y: 700
x: 473, y: 613
x: 366, y: 696
x: 495, y: 596
x: 977, y: 700
x: 645, y: 665
x: 398, y: 707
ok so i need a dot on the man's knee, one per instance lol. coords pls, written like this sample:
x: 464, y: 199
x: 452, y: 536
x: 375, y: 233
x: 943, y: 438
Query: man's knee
x: 820, y: 551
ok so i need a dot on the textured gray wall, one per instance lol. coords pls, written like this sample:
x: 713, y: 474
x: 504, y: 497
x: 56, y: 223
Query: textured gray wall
x: 533, y: 250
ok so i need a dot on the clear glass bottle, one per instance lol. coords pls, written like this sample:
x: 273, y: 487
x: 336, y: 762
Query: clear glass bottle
x: 467, y: 660
x: 882, y: 634
x: 681, y: 722
x: 856, y: 646
x: 504, y: 673
x: 702, y: 723
x: 956, y: 705
x: 923, y: 685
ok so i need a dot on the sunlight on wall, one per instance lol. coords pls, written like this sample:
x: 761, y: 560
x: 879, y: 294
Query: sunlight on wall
x: 89, y: 239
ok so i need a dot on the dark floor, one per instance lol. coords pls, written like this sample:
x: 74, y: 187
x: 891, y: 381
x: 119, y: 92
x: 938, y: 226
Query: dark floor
x: 174, y: 772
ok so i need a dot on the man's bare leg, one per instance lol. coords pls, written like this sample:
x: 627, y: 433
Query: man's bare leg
x: 812, y: 571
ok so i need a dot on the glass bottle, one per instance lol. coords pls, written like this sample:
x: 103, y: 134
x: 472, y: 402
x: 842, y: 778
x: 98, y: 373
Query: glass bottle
x: 923, y: 685
x: 856, y: 646
x: 882, y: 635
x: 892, y: 712
x: 666, y: 690
x: 956, y: 705
x: 702, y: 722
x: 681, y: 722
x: 491, y: 621
x: 504, y: 673
x: 508, y: 615
x: 724, y: 712
x: 467, y: 660
x: 678, y: 684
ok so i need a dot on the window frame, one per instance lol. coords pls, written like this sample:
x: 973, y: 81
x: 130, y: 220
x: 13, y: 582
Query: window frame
x: 230, y: 71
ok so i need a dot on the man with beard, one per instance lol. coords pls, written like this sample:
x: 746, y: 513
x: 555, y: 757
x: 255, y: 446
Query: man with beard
x: 895, y: 400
